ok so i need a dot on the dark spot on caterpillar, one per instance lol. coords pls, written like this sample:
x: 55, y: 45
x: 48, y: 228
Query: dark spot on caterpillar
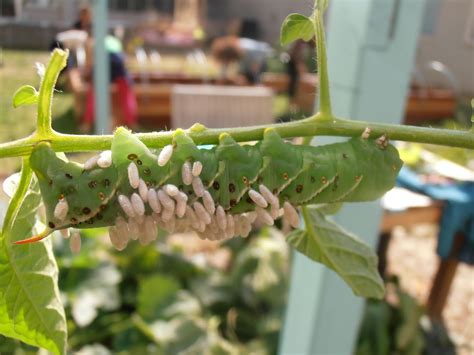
x: 90, y: 221
x: 103, y: 207
x: 139, y: 162
x: 101, y: 196
x: 69, y: 176
x: 146, y: 171
x: 299, y: 188
x: 245, y: 180
x: 344, y: 156
x: 313, y: 180
x: 132, y: 156
x: 357, y: 178
x: 275, y: 191
x: 285, y: 176
x: 73, y: 220
x: 50, y: 182
x: 216, y: 185
x: 99, y: 216
x: 233, y: 203
x: 92, y: 184
x: 324, y: 180
x: 51, y: 225
x: 190, y: 192
x: 148, y: 184
x: 86, y: 210
x: 260, y: 179
x: 106, y: 182
x: 71, y: 189
x: 231, y: 187
x: 249, y: 200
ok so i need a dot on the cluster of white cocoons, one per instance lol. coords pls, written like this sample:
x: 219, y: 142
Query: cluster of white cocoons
x: 173, y: 211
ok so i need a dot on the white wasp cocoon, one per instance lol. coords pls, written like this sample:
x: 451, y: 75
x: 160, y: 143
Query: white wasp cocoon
x: 117, y: 239
x: 153, y: 201
x: 61, y: 209
x: 66, y: 232
x: 230, y: 230
x: 149, y: 231
x: 208, y: 202
x: 366, y: 133
x: 167, y: 215
x: 275, y: 211
x: 201, y: 213
x: 198, y: 187
x: 171, y: 190
x: 133, y: 228
x: 137, y: 204
x: 251, y: 216
x: 221, y: 217
x: 190, y: 215
x: 258, y: 199
x: 143, y: 190
x: 197, y: 168
x: 121, y: 224
x: 267, y: 194
x: 133, y: 176
x: 186, y: 173
x: 105, y: 159
x: 91, y: 162
x: 291, y: 214
x: 264, y: 216
x: 75, y: 243
x: 165, y: 155
x: 165, y: 200
x: 181, y: 200
x: 126, y: 205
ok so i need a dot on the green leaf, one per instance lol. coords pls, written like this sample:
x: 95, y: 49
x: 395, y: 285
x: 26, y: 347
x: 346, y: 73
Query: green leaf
x: 155, y: 294
x: 327, y: 243
x: 294, y: 27
x: 26, y: 95
x: 322, y: 5
x: 30, y: 306
x: 329, y: 208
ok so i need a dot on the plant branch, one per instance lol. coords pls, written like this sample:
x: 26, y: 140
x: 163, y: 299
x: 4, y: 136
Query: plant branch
x: 324, y: 91
x: 317, y: 125
x: 56, y: 64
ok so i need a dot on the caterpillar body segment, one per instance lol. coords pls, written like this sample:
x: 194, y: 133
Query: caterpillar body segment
x: 230, y: 185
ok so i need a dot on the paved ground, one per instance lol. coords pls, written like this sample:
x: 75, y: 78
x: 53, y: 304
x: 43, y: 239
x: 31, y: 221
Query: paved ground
x: 413, y: 258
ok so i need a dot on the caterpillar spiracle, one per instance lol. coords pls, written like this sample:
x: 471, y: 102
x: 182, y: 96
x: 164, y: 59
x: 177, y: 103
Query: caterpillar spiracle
x: 217, y: 193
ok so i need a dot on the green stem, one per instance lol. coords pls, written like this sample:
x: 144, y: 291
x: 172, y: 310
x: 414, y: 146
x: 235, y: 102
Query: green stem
x: 56, y: 64
x: 324, y: 91
x: 17, y: 199
x: 312, y: 126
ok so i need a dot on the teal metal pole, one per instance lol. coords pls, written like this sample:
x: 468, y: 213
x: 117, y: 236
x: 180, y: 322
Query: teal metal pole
x: 371, y: 49
x: 101, y: 67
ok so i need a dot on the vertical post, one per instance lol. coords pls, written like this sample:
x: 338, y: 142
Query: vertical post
x: 371, y: 47
x: 101, y: 67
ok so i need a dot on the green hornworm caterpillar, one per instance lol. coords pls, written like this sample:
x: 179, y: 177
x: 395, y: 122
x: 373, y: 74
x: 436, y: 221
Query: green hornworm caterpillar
x: 217, y: 193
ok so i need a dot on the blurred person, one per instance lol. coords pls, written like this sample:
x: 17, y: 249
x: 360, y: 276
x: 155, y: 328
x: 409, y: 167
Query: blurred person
x: 242, y: 47
x: 124, y: 103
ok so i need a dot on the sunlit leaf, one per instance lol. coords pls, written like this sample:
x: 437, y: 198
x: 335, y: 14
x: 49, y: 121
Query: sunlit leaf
x: 354, y: 261
x: 26, y: 95
x: 30, y: 307
x: 295, y: 27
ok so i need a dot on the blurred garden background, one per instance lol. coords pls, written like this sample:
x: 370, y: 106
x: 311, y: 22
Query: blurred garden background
x: 171, y: 63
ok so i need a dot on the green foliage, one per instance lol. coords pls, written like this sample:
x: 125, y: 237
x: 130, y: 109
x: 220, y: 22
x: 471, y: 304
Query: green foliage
x: 25, y: 95
x: 30, y: 307
x: 329, y: 244
x: 296, y: 26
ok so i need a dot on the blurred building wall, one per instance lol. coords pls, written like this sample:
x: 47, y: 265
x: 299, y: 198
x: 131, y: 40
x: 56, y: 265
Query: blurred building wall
x: 446, y: 40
